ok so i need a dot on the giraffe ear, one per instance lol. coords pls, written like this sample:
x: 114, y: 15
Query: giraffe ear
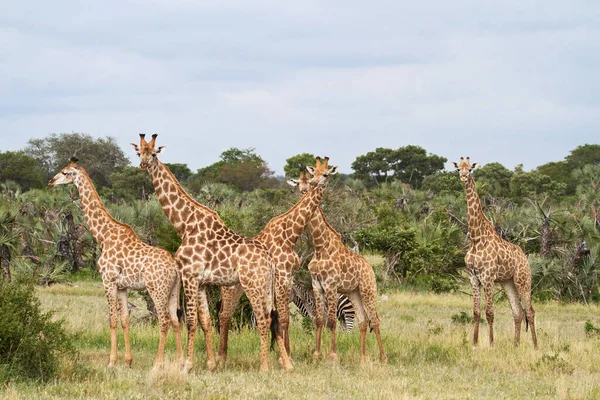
x: 474, y: 165
x: 311, y: 170
x: 160, y: 149
x: 292, y: 182
x: 135, y: 147
x: 455, y: 165
x: 333, y: 170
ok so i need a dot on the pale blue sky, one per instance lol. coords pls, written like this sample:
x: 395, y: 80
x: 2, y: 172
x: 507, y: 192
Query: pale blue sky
x: 508, y: 81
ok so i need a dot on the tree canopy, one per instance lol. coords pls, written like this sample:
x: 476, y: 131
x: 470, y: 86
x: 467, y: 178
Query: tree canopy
x: 242, y: 168
x: 298, y: 163
x: 18, y: 167
x: 409, y: 164
x: 100, y: 157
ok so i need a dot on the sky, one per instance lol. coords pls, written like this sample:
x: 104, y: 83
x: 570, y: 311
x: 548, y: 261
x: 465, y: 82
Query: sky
x: 515, y: 82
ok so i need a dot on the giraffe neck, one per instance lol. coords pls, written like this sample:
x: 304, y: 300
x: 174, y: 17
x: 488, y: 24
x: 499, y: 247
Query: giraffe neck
x: 99, y: 221
x: 297, y: 217
x: 322, y: 232
x: 179, y: 206
x: 479, y: 225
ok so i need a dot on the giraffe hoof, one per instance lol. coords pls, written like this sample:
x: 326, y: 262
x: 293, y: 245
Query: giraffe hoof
x: 316, y: 356
x: 383, y: 359
x: 333, y: 357
x: 264, y: 368
x: 128, y: 362
x: 211, y: 365
x: 187, y: 366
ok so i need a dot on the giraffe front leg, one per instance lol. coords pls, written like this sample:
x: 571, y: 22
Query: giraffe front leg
x: 190, y: 287
x: 282, y: 299
x: 113, y: 308
x: 489, y: 308
x: 319, y: 308
x: 332, y: 297
x: 122, y: 295
x: 206, y: 324
x: 161, y: 301
x: 475, y: 286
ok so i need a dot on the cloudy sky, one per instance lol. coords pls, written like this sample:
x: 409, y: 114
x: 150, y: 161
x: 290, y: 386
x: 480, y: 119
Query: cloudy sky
x: 509, y: 81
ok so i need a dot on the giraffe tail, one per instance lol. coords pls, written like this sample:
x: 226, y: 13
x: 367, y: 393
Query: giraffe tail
x: 526, y: 321
x: 219, y: 304
x: 274, y: 327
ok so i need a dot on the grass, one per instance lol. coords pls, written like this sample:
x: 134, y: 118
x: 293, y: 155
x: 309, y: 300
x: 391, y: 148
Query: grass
x: 430, y: 356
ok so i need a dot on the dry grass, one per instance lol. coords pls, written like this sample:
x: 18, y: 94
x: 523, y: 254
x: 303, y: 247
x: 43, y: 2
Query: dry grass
x: 429, y: 357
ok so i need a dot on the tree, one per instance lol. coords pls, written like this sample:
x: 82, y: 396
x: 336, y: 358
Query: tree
x: 298, y: 163
x: 243, y: 169
x: 588, y: 154
x: 18, y: 167
x: 443, y: 182
x: 530, y: 184
x: 494, y: 178
x: 100, y: 157
x: 181, y: 171
x: 131, y: 184
x: 410, y: 164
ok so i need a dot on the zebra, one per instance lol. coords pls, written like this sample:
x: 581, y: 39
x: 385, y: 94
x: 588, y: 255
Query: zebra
x: 304, y: 299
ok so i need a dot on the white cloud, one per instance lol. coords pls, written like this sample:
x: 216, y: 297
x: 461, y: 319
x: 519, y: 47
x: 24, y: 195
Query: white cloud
x: 335, y: 78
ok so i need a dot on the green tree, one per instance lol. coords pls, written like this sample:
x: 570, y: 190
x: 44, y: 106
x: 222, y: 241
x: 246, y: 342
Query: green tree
x: 18, y: 167
x: 131, y: 183
x: 181, y: 171
x: 494, y: 178
x: 410, y: 164
x: 298, y: 163
x: 442, y: 183
x: 243, y: 169
x: 530, y: 184
x: 100, y: 157
x: 588, y: 154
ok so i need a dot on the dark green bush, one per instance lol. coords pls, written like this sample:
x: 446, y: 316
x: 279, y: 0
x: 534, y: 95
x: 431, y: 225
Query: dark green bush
x: 31, y: 343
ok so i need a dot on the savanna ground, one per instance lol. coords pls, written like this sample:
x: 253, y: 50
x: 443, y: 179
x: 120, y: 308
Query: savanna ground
x: 430, y: 356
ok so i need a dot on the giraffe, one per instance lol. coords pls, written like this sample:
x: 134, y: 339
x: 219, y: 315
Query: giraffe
x: 211, y: 254
x: 279, y: 236
x: 492, y: 259
x: 335, y: 269
x: 126, y: 263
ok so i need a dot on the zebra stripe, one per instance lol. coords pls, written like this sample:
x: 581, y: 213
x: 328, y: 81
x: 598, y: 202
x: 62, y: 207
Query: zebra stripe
x: 304, y: 299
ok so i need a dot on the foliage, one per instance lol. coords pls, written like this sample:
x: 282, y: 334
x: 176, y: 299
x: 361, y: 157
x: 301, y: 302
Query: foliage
x: 298, y: 163
x: 131, y: 183
x: 100, y: 157
x: 31, y: 343
x: 22, y: 169
x: 409, y: 164
x: 243, y: 169
x: 442, y: 182
x: 181, y: 171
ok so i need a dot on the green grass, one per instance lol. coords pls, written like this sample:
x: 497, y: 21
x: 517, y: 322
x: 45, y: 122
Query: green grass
x: 430, y: 356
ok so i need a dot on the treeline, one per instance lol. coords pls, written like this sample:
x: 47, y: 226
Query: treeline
x: 398, y: 202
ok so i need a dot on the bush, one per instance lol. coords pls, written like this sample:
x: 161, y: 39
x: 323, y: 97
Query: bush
x: 31, y: 343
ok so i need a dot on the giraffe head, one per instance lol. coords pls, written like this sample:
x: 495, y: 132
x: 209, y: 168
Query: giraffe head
x: 146, y: 151
x: 321, y: 172
x: 66, y: 175
x: 303, y: 182
x: 464, y: 168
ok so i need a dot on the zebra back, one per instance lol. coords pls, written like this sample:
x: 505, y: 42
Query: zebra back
x: 304, y: 299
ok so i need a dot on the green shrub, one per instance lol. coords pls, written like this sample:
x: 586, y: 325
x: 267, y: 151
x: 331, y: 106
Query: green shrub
x: 31, y: 343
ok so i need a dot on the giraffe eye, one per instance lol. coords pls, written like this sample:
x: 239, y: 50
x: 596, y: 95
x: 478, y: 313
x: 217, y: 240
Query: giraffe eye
x: 64, y: 173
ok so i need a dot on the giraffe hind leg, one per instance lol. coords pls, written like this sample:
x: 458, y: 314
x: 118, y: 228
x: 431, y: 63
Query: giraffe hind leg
x: 515, y: 305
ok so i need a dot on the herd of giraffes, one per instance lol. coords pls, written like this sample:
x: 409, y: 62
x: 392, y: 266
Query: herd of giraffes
x: 263, y: 267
